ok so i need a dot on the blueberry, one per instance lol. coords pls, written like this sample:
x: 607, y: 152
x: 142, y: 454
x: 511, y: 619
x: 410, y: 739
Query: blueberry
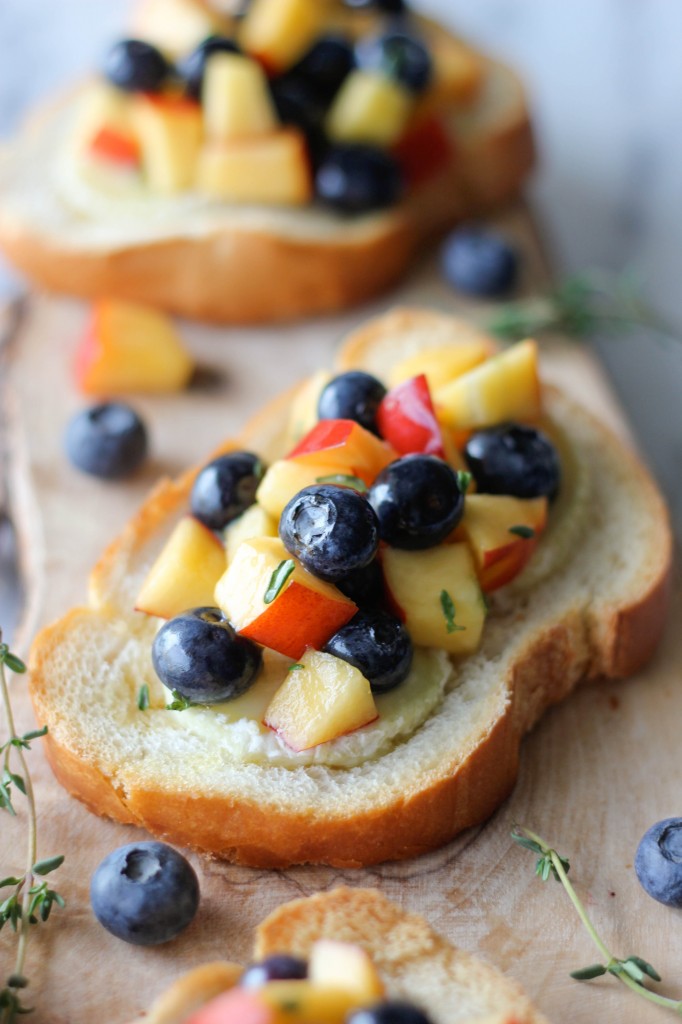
x: 352, y: 396
x: 144, y: 893
x: 297, y: 103
x: 325, y: 66
x: 418, y: 502
x: 393, y: 1012
x: 365, y: 586
x: 357, y: 179
x: 107, y: 440
x: 136, y: 66
x: 225, y: 488
x: 658, y: 861
x: 389, y: 6
x: 193, y: 67
x: 399, y: 55
x: 331, y: 530
x: 479, y: 262
x: 279, y: 967
x: 376, y: 643
x: 513, y: 459
x: 199, y: 654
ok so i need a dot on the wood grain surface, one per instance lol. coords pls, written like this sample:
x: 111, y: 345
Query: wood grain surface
x: 594, y: 775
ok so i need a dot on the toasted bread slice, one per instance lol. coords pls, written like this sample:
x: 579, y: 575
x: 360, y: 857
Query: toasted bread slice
x: 414, y: 962
x: 246, y: 264
x: 590, y: 603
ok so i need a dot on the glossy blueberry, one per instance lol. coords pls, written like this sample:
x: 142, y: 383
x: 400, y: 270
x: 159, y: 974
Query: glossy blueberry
x: 325, y: 66
x: 357, y: 179
x: 279, y: 967
x: 225, y: 488
x: 513, y: 459
x: 658, y: 861
x: 352, y: 396
x: 135, y: 66
x: 107, y: 440
x: 331, y: 530
x: 479, y: 262
x: 398, y: 54
x: 418, y: 502
x: 297, y: 103
x: 144, y: 893
x: 390, y: 1012
x: 192, y: 68
x: 199, y: 654
x: 365, y: 586
x: 388, y: 6
x: 376, y: 643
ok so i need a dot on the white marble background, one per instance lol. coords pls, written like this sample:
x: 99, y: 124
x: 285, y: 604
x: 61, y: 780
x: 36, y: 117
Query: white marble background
x: 605, y: 79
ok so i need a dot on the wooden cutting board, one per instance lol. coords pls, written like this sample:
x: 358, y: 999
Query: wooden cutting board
x: 594, y: 775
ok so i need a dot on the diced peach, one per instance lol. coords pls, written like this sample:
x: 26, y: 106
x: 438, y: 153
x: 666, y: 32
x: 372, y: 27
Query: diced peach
x: 369, y: 108
x: 236, y: 100
x: 185, y: 573
x: 271, y: 169
x: 254, y: 522
x: 442, y: 364
x: 502, y: 532
x: 278, y: 32
x: 285, y: 478
x: 128, y: 347
x: 407, y: 420
x: 345, y: 445
x: 345, y: 965
x: 305, y: 612
x: 299, y: 1002
x: 170, y: 130
x: 506, y: 387
x: 237, y: 1006
x: 177, y: 26
x: 437, y: 595
x: 102, y: 107
x: 115, y: 146
x: 322, y: 699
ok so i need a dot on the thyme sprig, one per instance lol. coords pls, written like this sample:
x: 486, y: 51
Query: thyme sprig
x: 632, y: 970
x: 582, y: 304
x: 30, y: 899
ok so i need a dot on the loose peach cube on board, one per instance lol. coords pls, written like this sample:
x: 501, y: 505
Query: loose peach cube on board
x: 305, y: 612
x: 185, y: 573
x: 324, y: 697
x: 128, y: 347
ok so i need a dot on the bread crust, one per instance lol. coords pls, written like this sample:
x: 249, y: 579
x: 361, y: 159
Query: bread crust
x: 253, y: 276
x: 579, y: 643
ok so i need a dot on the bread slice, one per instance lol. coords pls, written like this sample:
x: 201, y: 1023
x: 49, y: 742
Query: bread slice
x: 226, y: 263
x: 415, y: 963
x: 591, y: 603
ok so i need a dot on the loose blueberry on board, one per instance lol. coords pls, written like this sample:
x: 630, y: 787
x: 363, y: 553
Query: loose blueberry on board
x: 513, y: 459
x: 418, y: 502
x: 352, y: 396
x: 199, y: 655
x: 479, y: 262
x: 331, y: 530
x: 658, y: 861
x: 325, y: 66
x: 358, y: 179
x: 144, y: 893
x: 108, y: 440
x: 192, y: 68
x: 225, y: 488
x: 364, y: 586
x: 135, y: 66
x: 279, y: 967
x: 376, y: 643
x: 399, y: 55
x: 390, y: 1012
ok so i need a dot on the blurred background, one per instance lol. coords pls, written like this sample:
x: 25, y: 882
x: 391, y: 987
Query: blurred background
x: 605, y: 81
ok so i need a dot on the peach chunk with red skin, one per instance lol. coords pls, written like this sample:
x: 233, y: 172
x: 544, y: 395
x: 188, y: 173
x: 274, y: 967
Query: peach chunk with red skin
x: 346, y: 445
x: 502, y: 532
